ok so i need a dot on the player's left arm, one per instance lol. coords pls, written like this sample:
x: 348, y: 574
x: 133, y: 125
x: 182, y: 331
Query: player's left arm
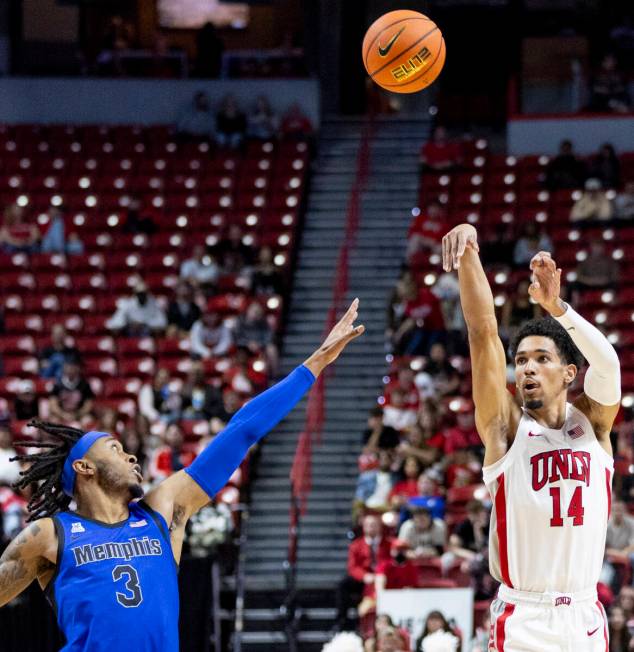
x: 184, y: 493
x: 601, y: 398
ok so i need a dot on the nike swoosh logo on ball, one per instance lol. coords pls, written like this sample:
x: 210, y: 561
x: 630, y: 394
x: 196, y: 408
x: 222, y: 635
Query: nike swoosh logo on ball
x: 593, y: 631
x: 384, y: 51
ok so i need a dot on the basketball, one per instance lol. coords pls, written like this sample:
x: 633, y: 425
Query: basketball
x: 404, y: 51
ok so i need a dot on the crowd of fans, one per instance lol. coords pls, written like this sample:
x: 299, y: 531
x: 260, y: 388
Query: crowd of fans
x: 420, y: 505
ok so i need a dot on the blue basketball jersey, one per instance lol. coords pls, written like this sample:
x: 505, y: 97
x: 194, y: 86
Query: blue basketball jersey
x: 115, y: 586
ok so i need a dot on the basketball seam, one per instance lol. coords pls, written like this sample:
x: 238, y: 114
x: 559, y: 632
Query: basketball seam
x: 400, y: 54
x: 378, y: 36
x: 426, y: 72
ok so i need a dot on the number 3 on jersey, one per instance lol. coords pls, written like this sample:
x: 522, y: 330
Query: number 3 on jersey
x: 134, y: 597
x: 575, y: 509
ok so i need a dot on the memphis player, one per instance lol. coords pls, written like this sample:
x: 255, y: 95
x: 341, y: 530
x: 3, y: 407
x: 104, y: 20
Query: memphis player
x: 548, y: 463
x: 109, y: 568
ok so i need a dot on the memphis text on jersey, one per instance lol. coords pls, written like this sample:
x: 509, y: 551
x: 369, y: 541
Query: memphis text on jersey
x: 563, y: 464
x: 89, y: 553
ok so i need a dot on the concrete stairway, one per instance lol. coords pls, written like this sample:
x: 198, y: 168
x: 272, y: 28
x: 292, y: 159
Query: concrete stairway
x: 386, y: 203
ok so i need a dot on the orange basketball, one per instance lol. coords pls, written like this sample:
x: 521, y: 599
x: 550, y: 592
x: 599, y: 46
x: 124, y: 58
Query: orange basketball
x: 403, y: 51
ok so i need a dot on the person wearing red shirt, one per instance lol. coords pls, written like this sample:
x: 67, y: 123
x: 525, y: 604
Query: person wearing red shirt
x: 464, y: 434
x: 422, y: 326
x: 398, y: 572
x: 440, y: 154
x: 426, y: 230
x: 295, y: 124
x: 408, y: 487
x: 405, y: 383
x: 364, y: 555
x: 15, y: 233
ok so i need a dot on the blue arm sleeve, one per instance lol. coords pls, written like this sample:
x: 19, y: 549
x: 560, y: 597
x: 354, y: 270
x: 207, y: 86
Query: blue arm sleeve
x: 215, y: 465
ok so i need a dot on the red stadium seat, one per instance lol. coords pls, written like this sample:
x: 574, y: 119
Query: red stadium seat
x: 122, y: 387
x: 101, y: 367
x: 20, y: 344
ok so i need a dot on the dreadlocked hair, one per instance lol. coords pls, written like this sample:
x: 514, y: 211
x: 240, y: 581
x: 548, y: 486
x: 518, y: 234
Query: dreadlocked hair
x: 46, y: 468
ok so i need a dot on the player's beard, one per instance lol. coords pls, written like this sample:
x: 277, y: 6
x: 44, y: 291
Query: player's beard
x: 111, y: 482
x: 534, y: 404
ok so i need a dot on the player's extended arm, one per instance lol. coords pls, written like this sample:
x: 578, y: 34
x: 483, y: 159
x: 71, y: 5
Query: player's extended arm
x: 602, y: 384
x: 196, y: 485
x: 493, y: 403
x: 29, y: 555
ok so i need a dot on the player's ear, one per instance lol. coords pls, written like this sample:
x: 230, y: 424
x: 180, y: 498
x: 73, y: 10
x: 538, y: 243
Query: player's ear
x: 570, y: 373
x: 84, y: 467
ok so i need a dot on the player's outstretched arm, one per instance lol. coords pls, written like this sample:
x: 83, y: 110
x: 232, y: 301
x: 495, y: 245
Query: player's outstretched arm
x: 495, y: 408
x: 187, y: 491
x: 602, y: 384
x: 30, y: 555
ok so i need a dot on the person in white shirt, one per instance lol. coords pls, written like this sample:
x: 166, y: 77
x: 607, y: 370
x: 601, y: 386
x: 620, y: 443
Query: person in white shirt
x: 138, y: 315
x: 210, y: 337
x: 426, y: 535
x: 201, y: 270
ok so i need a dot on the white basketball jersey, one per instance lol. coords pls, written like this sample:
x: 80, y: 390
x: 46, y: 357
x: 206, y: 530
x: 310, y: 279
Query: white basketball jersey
x: 551, y: 497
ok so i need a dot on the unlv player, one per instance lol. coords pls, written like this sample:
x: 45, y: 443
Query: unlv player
x: 548, y: 463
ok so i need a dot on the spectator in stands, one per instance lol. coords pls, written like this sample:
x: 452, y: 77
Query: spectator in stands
x: 397, y: 412
x: 423, y: 324
x: 26, y: 404
x: 201, y: 270
x: 197, y: 120
x: 157, y: 400
x: 109, y: 420
x: 517, y: 310
x: 599, y: 270
x: 447, y: 289
x: 619, y: 635
x: 379, y: 436
x: 295, y: 123
x: 9, y: 471
x: 427, y: 230
x: 210, y: 337
x: 136, y: 221
x: 53, y: 356
x: 234, y: 254
x: 74, y: 244
x: 435, y: 622
x: 606, y: 167
x: 619, y: 542
x: 382, y: 624
x: 169, y: 457
x: 72, y: 398
x: 391, y: 640
x: 241, y: 375
x: 398, y: 572
x: 364, y: 555
x: 54, y: 238
x: 624, y: 202
x: 593, y: 204
x: 200, y: 400
x: 182, y: 312
x: 404, y: 288
x: 530, y: 242
x: 445, y: 377
x: 266, y: 278
x: 262, y: 121
x: 133, y: 444
x: 440, y: 154
x: 138, y: 315
x: 426, y: 536
x: 13, y: 509
x: 414, y: 445
x: 231, y: 403
x: 470, y: 539
x: 565, y: 170
x: 428, y: 496
x: 406, y: 488
x: 608, y: 89
x: 480, y: 641
x: 254, y: 333
x: 374, y: 486
x: 231, y: 124
x: 17, y: 235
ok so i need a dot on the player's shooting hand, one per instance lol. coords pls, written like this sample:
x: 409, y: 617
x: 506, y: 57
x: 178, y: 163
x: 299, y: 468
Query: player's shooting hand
x: 342, y: 333
x: 545, y: 282
x: 455, y: 243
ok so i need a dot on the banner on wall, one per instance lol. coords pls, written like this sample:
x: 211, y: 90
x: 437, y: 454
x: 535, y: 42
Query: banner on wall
x: 409, y: 609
